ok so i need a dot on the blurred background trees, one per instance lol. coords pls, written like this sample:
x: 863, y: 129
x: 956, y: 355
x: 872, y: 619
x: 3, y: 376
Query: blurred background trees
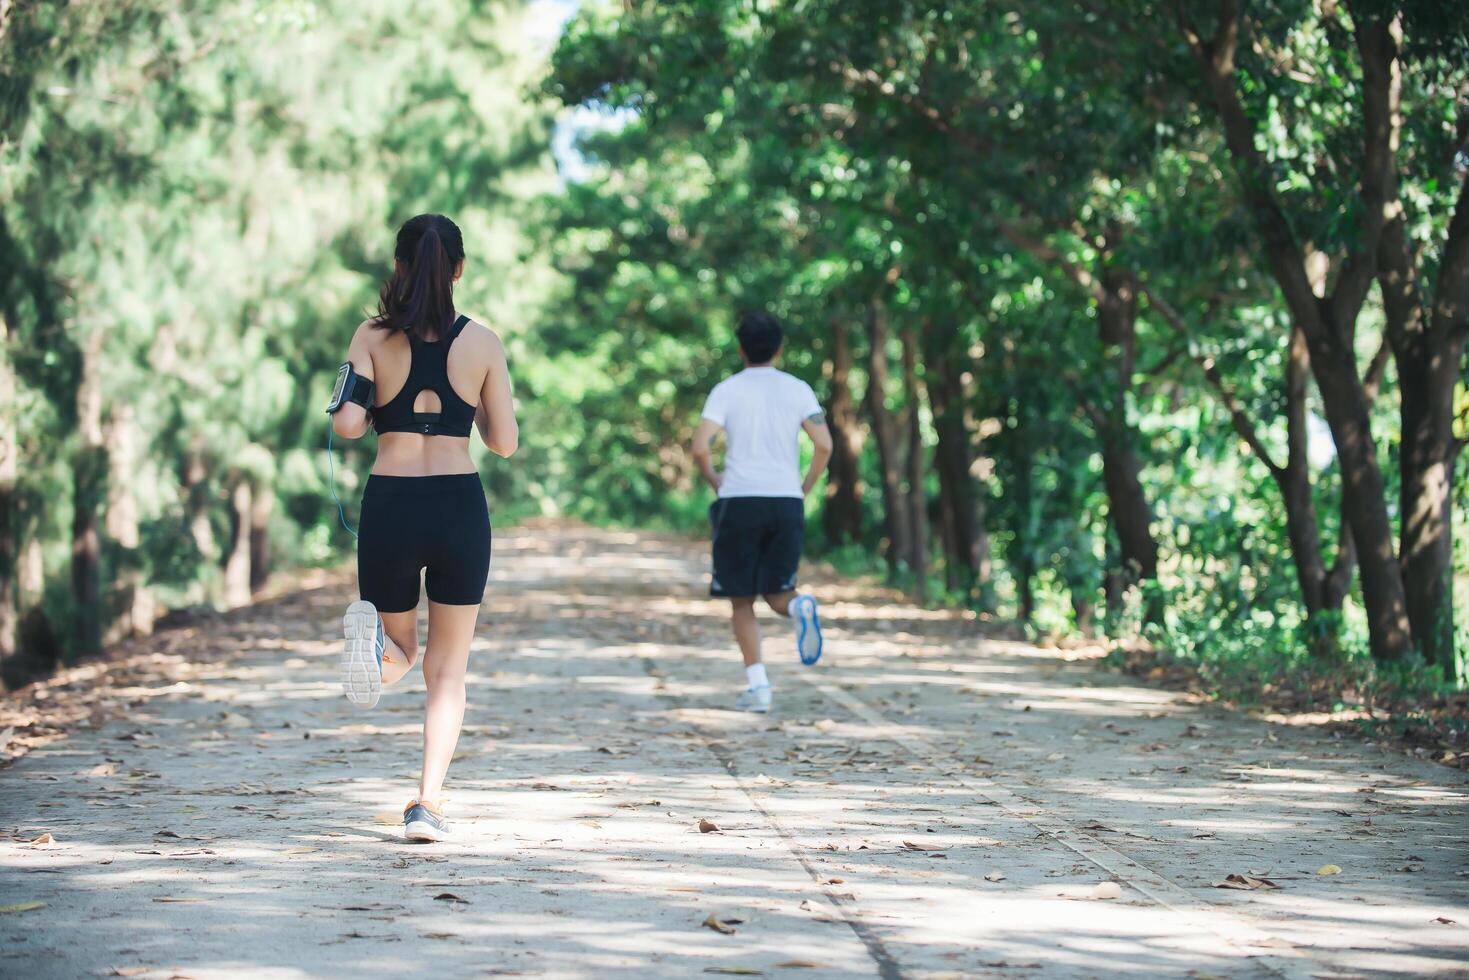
x: 1136, y: 319
x: 196, y: 204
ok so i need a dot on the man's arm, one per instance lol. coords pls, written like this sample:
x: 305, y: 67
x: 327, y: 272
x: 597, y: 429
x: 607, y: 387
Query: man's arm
x: 703, y: 454
x: 820, y: 435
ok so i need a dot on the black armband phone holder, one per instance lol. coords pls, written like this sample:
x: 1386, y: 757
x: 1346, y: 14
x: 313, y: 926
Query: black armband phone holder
x: 350, y: 387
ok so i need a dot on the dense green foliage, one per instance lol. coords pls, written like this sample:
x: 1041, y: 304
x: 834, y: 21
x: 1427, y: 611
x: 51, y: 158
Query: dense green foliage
x: 1093, y: 292
x: 1145, y: 319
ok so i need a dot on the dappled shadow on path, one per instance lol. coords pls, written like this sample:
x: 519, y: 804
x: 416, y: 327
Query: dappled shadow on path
x: 238, y: 820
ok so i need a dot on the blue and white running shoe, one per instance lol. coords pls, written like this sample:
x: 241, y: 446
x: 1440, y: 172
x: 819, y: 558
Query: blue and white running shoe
x: 362, y: 654
x: 808, y: 628
x: 422, y: 822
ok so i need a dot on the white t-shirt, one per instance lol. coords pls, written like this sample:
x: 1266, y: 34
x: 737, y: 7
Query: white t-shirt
x: 761, y: 410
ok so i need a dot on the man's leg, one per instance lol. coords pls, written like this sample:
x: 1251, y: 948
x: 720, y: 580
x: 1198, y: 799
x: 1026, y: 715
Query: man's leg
x: 780, y: 564
x: 747, y: 634
x: 746, y: 628
x: 780, y: 601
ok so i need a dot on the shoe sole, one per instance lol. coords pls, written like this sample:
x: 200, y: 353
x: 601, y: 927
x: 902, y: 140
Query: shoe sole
x: 425, y: 832
x: 362, y: 679
x: 808, y: 631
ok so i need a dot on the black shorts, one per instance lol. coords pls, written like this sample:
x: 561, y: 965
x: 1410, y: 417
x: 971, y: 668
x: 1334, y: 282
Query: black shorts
x: 410, y: 523
x: 757, y: 545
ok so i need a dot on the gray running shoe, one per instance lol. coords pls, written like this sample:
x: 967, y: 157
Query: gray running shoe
x: 362, y: 654
x: 756, y: 699
x: 423, y: 823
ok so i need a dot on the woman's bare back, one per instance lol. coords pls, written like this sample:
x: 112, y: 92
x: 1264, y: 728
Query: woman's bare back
x: 477, y: 373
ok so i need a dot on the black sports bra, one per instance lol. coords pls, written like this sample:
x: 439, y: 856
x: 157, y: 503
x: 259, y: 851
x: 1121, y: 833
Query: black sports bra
x: 428, y: 370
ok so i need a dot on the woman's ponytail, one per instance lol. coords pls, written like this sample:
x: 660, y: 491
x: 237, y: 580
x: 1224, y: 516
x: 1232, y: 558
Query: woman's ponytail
x: 419, y: 296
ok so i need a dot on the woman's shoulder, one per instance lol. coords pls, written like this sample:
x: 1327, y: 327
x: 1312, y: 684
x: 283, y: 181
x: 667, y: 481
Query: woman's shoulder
x: 481, y: 337
x: 370, y: 332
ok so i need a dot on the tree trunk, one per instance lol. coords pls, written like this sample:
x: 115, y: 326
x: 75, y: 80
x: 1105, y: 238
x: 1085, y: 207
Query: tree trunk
x: 917, y: 468
x: 1084, y: 609
x: 842, y: 516
x: 237, y: 561
x: 966, y: 538
x: 1127, y: 503
x: 885, y: 434
x: 1429, y: 353
x: 89, y: 493
x: 196, y: 490
x: 1023, y: 546
x: 1364, y: 502
x: 1294, y: 480
x: 9, y: 529
x: 131, y: 608
x: 261, y: 506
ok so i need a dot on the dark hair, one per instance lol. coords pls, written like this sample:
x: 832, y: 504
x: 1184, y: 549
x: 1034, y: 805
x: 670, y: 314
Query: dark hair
x: 760, y: 336
x: 419, y: 295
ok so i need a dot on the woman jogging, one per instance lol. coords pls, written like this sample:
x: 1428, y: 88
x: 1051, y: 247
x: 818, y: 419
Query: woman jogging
x: 429, y: 374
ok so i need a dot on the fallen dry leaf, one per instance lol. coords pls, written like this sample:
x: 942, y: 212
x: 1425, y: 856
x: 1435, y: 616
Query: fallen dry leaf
x: 995, y: 876
x: 450, y: 897
x: 800, y: 965
x: 21, y: 907
x: 707, y: 826
x: 915, y: 846
x: 1246, y: 882
x: 1272, y: 942
x: 300, y: 850
x: 711, y: 922
x: 173, y: 900
x: 43, y: 839
x: 1107, y: 890
x: 738, y: 971
x: 1441, y: 920
x: 1328, y: 869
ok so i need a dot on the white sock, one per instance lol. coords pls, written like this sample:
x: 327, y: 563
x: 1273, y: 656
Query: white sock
x: 755, y: 674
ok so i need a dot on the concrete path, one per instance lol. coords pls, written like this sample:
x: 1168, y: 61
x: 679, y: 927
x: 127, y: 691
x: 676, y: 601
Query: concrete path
x: 925, y: 803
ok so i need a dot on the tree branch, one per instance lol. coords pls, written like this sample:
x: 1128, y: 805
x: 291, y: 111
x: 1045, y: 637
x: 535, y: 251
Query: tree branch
x: 1048, y: 253
x: 1451, y: 291
x: 1339, y: 577
x: 1243, y: 425
x: 1215, y: 58
x: 1377, y: 44
x: 1376, y: 368
x: 1166, y: 361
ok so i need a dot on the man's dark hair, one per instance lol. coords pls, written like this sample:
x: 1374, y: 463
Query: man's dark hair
x: 760, y: 336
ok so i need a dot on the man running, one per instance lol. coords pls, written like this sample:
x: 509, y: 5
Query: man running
x: 759, y: 519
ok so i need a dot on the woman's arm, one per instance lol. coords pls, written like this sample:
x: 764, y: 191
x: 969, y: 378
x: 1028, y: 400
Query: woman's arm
x: 495, y: 415
x: 350, y: 421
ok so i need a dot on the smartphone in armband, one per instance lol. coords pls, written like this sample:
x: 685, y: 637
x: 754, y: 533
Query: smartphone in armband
x: 350, y: 387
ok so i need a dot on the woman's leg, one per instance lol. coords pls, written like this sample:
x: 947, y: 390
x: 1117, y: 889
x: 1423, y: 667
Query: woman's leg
x: 400, y: 647
x: 445, y: 660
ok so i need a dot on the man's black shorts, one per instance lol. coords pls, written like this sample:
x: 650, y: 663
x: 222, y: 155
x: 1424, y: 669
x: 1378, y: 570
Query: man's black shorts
x: 757, y: 545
